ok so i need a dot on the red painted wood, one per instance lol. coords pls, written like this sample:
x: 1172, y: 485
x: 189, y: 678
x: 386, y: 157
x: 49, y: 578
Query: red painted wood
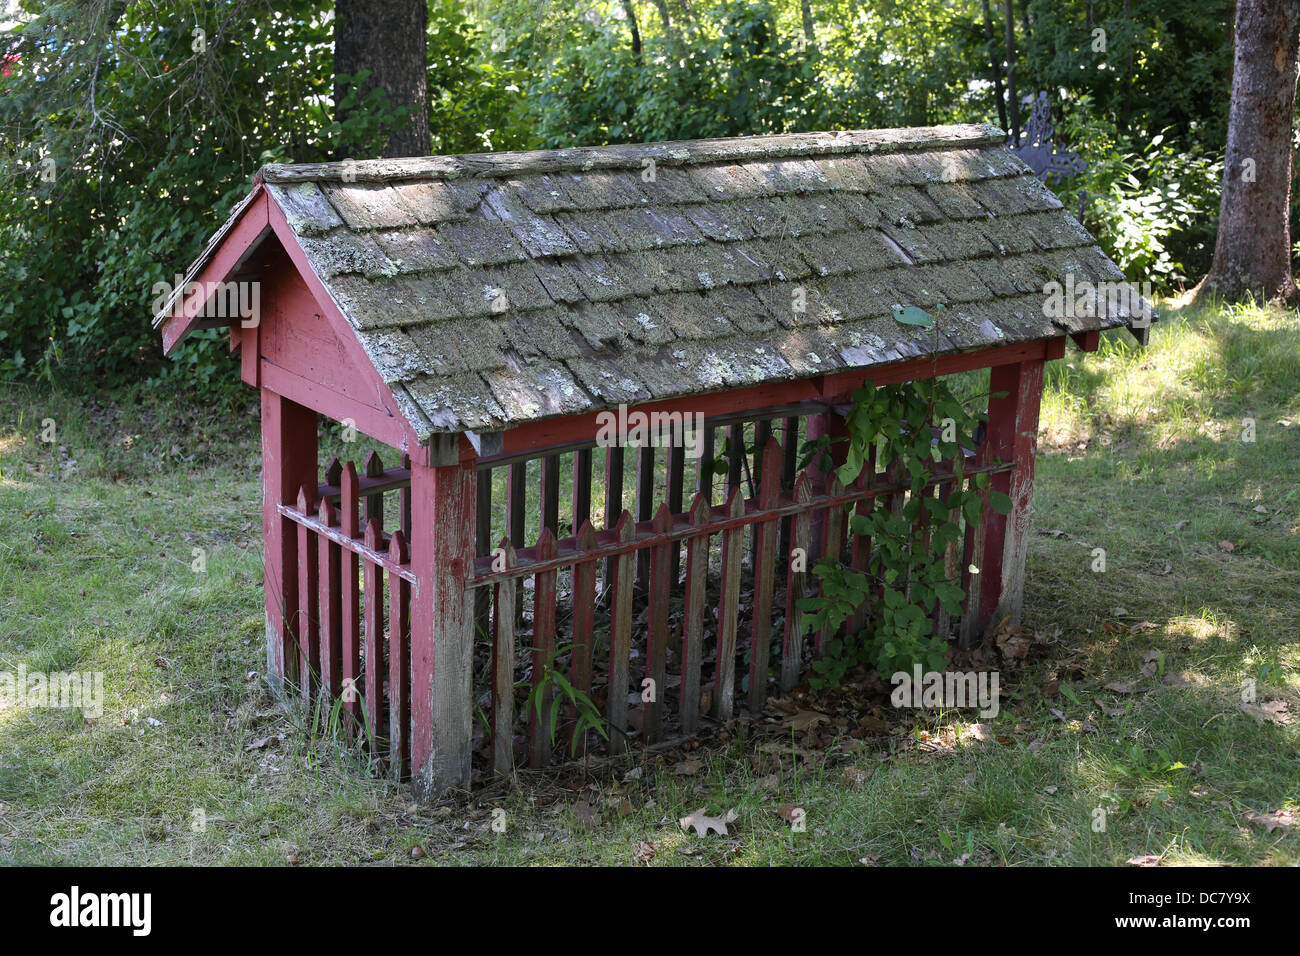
x: 796, y: 584
x: 247, y: 236
x: 374, y: 638
x: 309, y: 601
x: 1013, y: 436
x: 442, y: 623
x: 765, y: 557
x: 539, y: 725
x: 399, y: 661
x: 331, y: 608
x: 861, y: 549
x: 549, y: 493
x: 288, y: 463
x: 833, y: 545
x: 374, y: 473
x: 350, y: 522
x: 562, y: 429
x: 365, y: 385
x: 733, y: 544
x: 620, y: 635
x: 830, y: 424
x: 657, y: 628
x: 697, y: 570
x: 503, y: 667
x: 584, y: 619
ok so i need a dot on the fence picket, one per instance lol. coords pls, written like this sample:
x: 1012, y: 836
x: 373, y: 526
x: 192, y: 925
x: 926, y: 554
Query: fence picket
x: 796, y: 584
x: 399, y: 660
x: 833, y: 548
x: 330, y: 610
x: 697, y: 579
x: 539, y: 724
x: 308, y: 604
x: 503, y: 667
x: 733, y: 544
x: 769, y: 494
x: 620, y: 636
x: 584, y: 621
x: 657, y: 627
x: 374, y: 637
x: 349, y: 518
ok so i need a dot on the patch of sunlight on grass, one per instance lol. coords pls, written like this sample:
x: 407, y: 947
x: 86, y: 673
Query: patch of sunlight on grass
x: 1200, y: 628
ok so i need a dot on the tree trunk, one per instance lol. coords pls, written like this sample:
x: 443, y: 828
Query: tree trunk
x: 994, y: 65
x: 1252, y: 254
x: 388, y: 38
x: 1013, y: 102
x: 809, y: 32
x: 635, y: 27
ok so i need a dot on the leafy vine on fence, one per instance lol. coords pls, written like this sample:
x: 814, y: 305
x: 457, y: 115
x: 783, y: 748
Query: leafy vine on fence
x: 918, y: 426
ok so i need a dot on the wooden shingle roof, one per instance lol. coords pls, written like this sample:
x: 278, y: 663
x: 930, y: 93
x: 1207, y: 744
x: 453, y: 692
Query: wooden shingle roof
x: 498, y: 289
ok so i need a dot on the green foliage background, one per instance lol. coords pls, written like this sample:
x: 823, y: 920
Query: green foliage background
x: 153, y: 141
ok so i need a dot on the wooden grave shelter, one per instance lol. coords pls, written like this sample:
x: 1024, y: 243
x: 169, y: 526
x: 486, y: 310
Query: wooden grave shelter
x: 479, y: 314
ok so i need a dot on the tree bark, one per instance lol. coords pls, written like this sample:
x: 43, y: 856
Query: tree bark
x: 994, y: 65
x: 1013, y: 102
x: 1252, y: 253
x: 809, y: 30
x: 635, y: 27
x: 388, y: 38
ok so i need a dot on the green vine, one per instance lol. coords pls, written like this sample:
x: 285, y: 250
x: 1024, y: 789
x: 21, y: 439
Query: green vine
x: 906, y: 568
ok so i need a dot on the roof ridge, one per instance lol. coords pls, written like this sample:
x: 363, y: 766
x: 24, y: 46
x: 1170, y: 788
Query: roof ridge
x: 675, y: 153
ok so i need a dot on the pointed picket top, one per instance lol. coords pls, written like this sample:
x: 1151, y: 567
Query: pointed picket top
x: 547, y: 547
x: 348, y: 505
x: 663, y: 519
x: 373, y: 465
x: 585, y: 540
x: 769, y: 490
x: 511, y: 556
x: 327, y: 513
x: 700, y: 509
x: 625, y: 528
x: 736, y: 503
x: 306, y: 499
x: 374, y: 534
x: 333, y: 471
x: 802, y: 491
x: 397, y: 549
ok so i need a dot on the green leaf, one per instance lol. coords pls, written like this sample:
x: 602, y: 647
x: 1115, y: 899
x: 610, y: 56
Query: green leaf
x: 1000, y: 502
x: 912, y: 315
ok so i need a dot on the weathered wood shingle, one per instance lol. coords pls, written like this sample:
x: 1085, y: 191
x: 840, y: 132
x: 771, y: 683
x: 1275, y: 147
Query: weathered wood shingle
x: 497, y: 289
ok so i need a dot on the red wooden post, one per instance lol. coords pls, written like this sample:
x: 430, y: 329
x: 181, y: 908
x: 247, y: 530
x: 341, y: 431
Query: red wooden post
x: 288, y: 463
x: 442, y: 622
x: 796, y: 584
x: 724, y: 676
x: 1012, y: 436
x: 620, y: 635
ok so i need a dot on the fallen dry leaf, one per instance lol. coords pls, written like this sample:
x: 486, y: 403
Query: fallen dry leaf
x: 806, y: 720
x: 644, y: 852
x: 853, y: 776
x: 701, y: 823
x: 1273, y: 819
x: 1120, y: 687
x: 1227, y: 546
x: 1148, y: 860
x: 1272, y: 711
x: 688, y: 768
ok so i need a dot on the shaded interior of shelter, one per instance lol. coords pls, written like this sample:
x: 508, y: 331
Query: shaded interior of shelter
x: 520, y: 499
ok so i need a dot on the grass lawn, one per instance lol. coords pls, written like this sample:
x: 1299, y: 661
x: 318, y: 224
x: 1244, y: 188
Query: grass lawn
x: 1141, y: 455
